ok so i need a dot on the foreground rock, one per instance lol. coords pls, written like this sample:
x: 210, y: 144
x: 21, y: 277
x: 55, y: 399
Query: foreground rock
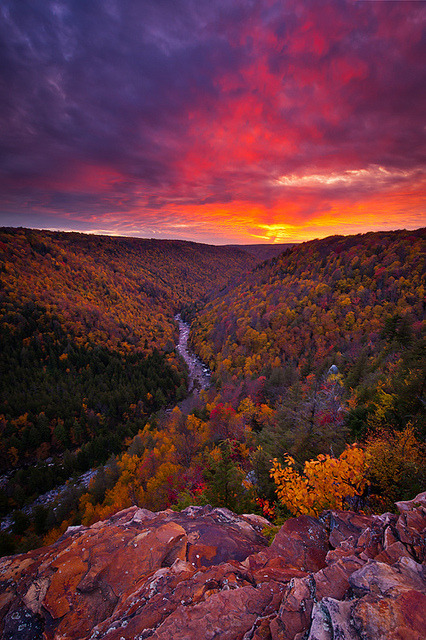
x: 207, y: 573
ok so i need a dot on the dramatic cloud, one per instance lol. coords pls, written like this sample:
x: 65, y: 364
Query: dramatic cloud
x: 253, y: 120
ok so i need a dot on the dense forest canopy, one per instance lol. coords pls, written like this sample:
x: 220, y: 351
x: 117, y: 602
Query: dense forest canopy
x: 317, y: 357
x: 116, y: 292
x: 88, y: 331
x: 320, y: 303
x: 87, y: 344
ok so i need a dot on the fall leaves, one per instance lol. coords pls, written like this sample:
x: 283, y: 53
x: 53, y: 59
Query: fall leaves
x: 325, y: 483
x: 121, y: 293
x: 326, y: 296
x: 389, y: 464
x: 316, y: 349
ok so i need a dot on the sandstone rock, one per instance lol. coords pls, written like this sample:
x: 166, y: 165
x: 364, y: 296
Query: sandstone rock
x: 389, y: 537
x: 148, y: 606
x: 392, y: 553
x: 302, y: 542
x: 331, y: 620
x: 80, y: 581
x: 260, y: 630
x: 208, y: 573
x: 380, y: 578
x: 333, y: 580
x: 263, y: 567
x: 226, y: 615
x: 216, y: 535
x: 35, y: 595
x: 416, y: 519
x: 345, y: 524
x: 257, y: 522
x: 303, y: 595
x: 5, y: 600
x: 294, y: 614
x: 409, y: 505
x: 344, y: 550
x: 21, y: 623
x: 410, y: 530
x: 398, y: 618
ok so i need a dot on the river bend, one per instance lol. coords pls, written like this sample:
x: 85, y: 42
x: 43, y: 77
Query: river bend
x: 199, y: 374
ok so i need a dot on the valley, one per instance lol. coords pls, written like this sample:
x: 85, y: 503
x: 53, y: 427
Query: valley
x: 299, y: 357
x: 212, y: 320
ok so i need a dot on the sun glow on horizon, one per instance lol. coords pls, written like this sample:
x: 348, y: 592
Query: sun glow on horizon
x: 269, y: 123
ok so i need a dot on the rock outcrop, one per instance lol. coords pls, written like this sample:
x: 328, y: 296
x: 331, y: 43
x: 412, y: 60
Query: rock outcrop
x: 206, y: 574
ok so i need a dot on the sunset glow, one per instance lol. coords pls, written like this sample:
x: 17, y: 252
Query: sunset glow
x: 220, y: 122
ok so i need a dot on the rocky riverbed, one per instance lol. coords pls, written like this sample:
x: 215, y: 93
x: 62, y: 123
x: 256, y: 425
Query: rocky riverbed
x: 199, y: 373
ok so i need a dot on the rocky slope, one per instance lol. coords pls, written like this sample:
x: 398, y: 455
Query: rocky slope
x: 207, y: 573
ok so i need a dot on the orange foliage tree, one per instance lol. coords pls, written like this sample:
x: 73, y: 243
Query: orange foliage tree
x: 324, y: 484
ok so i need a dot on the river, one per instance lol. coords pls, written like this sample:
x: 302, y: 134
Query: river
x: 199, y: 374
x: 199, y: 378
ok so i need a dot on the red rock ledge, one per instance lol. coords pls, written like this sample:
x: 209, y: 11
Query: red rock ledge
x: 206, y: 574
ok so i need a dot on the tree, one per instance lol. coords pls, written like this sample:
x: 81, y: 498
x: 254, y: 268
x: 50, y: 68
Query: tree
x: 396, y: 466
x: 226, y: 484
x: 21, y: 522
x: 325, y: 483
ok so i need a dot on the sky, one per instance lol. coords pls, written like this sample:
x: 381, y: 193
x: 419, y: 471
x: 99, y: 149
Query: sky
x: 218, y: 121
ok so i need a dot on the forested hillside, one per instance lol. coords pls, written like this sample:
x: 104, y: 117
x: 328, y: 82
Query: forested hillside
x: 331, y: 336
x: 263, y: 252
x: 318, y: 359
x: 320, y: 303
x: 318, y: 393
x: 120, y: 293
x: 87, y: 344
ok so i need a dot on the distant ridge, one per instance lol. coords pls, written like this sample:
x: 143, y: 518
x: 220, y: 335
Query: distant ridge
x: 263, y: 251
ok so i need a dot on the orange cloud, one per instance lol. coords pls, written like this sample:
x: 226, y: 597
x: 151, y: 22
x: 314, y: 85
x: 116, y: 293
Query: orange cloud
x: 228, y: 122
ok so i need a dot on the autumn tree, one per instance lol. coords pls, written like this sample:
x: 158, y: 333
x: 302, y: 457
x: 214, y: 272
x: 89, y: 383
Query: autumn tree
x: 396, y: 463
x: 325, y: 482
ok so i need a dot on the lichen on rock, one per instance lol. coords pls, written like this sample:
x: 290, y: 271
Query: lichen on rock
x: 208, y: 573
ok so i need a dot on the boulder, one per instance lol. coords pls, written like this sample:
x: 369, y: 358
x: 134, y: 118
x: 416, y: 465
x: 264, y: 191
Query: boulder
x: 409, y: 505
x: 294, y: 614
x: 344, y: 525
x: 379, y: 578
x: 333, y: 580
x: 79, y: 582
x: 208, y: 573
x: 302, y: 542
x: 331, y: 620
x: 226, y: 615
x: 401, y: 617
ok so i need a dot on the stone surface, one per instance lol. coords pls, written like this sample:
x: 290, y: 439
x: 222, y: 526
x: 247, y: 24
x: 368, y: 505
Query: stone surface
x: 392, y: 553
x: 401, y: 617
x: 344, y: 526
x: 409, y: 505
x: 225, y: 615
x: 294, y: 614
x: 379, y: 578
x: 331, y: 620
x: 333, y: 580
x: 302, y: 542
x: 207, y: 573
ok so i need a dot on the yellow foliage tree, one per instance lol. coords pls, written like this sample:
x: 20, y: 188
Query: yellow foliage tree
x: 396, y: 466
x: 163, y: 488
x: 324, y: 484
